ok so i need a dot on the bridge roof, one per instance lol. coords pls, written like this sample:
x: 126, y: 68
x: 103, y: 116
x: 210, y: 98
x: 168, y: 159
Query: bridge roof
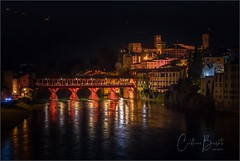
x: 88, y: 76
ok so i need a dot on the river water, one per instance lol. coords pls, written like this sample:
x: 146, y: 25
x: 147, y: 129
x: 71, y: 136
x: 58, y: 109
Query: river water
x: 124, y: 129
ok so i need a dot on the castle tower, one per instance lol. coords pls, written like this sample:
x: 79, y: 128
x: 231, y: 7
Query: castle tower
x: 159, y: 44
x: 205, y: 41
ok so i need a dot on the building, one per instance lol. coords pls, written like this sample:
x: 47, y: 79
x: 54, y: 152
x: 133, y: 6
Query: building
x: 205, y: 41
x: 135, y: 47
x: 153, y: 64
x: 159, y: 44
x: 23, y: 84
x: 127, y: 61
x: 210, y: 60
x: 159, y: 80
x: 188, y: 47
x: 207, y: 85
x: 226, y: 87
x: 176, y: 51
x: 213, y: 64
x: 6, y: 84
x: 223, y: 87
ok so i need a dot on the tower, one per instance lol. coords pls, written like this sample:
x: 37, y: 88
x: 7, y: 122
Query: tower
x: 159, y: 44
x: 205, y: 41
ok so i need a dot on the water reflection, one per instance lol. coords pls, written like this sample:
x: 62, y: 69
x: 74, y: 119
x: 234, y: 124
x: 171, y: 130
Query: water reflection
x: 111, y: 129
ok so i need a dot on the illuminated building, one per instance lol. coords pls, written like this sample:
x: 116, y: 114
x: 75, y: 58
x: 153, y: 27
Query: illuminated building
x: 176, y: 51
x: 152, y: 64
x: 205, y: 41
x: 127, y: 60
x: 142, y: 81
x: 159, y: 80
x: 207, y: 71
x: 159, y: 44
x: 23, y: 84
x: 135, y: 47
x: 188, y: 47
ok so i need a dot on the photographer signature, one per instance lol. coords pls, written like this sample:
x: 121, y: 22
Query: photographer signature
x: 206, y: 144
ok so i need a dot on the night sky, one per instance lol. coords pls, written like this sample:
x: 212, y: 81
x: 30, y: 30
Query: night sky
x: 37, y: 32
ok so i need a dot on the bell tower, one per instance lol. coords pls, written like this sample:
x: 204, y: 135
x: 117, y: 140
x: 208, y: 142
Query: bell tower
x: 159, y: 44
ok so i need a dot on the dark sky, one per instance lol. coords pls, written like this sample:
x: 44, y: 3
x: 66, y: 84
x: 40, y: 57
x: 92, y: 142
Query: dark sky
x: 75, y: 29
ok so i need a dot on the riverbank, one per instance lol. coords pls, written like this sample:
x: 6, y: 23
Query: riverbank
x: 13, y: 113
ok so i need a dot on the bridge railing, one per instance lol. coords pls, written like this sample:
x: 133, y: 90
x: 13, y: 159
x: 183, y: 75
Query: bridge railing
x: 84, y: 82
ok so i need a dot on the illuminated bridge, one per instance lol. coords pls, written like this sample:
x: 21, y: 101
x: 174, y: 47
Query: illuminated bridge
x: 93, y: 84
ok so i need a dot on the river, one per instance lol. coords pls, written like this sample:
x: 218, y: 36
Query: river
x: 123, y: 129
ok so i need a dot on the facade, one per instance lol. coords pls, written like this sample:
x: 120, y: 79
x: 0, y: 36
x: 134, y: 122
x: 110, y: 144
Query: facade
x: 136, y: 58
x: 142, y: 81
x: 176, y: 51
x: 135, y: 47
x: 23, y: 85
x: 207, y: 86
x: 159, y: 44
x: 6, y: 84
x: 127, y: 61
x: 159, y: 80
x: 226, y: 88
x: 188, y: 47
x: 213, y: 59
x: 223, y: 87
x: 205, y: 41
x: 153, y: 64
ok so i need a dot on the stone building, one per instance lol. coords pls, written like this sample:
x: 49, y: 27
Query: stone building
x: 226, y: 87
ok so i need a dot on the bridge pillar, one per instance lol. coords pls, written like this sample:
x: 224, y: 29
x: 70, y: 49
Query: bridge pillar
x: 54, y: 93
x: 112, y: 94
x: 93, y: 94
x: 74, y: 96
x: 129, y: 92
